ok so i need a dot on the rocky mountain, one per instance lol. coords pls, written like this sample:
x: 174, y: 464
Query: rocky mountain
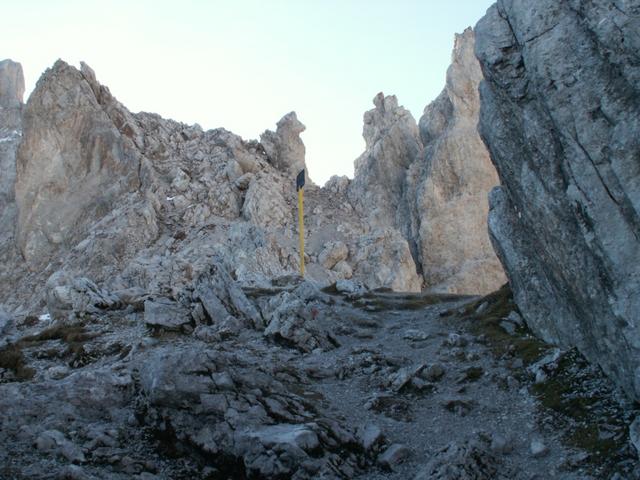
x: 153, y: 325
x: 431, y: 182
x: 11, y: 97
x: 447, y: 187
x: 118, y: 197
x: 559, y: 114
x: 135, y: 200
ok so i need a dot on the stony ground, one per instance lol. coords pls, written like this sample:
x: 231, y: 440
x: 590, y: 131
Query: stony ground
x: 319, y: 384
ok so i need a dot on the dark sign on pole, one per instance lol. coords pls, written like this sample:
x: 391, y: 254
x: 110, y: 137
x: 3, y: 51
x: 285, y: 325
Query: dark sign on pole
x: 300, y: 180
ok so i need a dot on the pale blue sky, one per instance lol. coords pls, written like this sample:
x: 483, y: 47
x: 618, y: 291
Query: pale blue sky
x: 243, y: 64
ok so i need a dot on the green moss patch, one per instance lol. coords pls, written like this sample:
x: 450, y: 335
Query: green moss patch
x: 385, y: 299
x: 486, y: 314
x: 583, y: 402
x: 576, y: 398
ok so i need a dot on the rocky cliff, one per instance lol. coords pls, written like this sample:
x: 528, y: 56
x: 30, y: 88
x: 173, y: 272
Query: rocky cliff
x: 134, y: 200
x: 447, y: 188
x: 11, y: 93
x: 118, y: 196
x: 431, y: 182
x: 75, y: 163
x: 560, y: 115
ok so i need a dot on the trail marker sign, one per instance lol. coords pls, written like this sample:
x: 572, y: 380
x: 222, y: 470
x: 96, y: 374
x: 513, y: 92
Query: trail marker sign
x: 300, y: 190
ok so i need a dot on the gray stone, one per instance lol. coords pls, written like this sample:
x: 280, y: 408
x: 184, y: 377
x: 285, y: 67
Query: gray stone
x: 561, y: 120
x: 300, y: 436
x: 370, y: 436
x: 50, y: 440
x: 538, y: 448
x: 634, y: 434
x: 332, y: 254
x: 349, y: 287
x: 515, y: 318
x: 508, y: 327
x: 433, y: 372
x: 344, y: 269
x: 469, y: 460
x: 165, y: 313
x: 394, y: 455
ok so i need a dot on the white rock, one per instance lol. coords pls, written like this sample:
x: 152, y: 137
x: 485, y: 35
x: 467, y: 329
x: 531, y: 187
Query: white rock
x: 332, y: 254
x: 394, y: 455
x: 538, y: 448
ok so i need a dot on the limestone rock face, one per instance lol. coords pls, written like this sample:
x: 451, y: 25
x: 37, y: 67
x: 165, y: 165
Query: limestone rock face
x: 73, y: 164
x: 11, y: 92
x: 560, y: 115
x: 430, y: 183
x: 447, y: 187
x: 384, y: 260
x: 135, y: 201
x: 392, y: 145
x: 284, y: 146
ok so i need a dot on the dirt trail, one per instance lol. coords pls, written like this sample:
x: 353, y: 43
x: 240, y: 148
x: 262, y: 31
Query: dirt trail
x: 369, y: 385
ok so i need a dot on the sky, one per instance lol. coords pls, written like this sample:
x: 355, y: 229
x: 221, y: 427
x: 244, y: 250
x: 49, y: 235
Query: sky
x: 243, y: 64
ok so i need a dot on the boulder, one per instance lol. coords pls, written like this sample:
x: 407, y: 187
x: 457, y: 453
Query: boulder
x: 165, y: 313
x: 332, y: 254
x: 560, y: 116
x: 383, y: 259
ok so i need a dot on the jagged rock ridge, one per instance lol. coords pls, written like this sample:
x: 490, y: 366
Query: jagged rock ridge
x: 560, y: 115
x: 448, y: 187
x: 135, y: 200
x: 431, y: 182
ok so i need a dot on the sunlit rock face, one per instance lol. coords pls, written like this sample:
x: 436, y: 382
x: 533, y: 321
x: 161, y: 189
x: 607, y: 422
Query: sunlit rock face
x: 430, y: 181
x: 141, y: 201
x: 11, y: 96
x: 73, y: 164
x: 284, y: 146
x: 560, y: 115
x: 447, y: 187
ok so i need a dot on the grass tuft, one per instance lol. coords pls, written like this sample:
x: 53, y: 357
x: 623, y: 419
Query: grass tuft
x: 12, y: 358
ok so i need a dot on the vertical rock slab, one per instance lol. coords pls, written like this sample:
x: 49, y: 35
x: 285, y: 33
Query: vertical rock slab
x: 392, y: 145
x: 448, y: 186
x: 73, y: 163
x: 11, y: 94
x: 378, y: 191
x: 561, y: 115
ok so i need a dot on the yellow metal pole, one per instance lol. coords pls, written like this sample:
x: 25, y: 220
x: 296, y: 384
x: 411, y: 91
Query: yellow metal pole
x: 301, y: 227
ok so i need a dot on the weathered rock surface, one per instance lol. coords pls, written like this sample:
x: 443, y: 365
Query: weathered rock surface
x: 138, y: 201
x: 303, y: 385
x: 448, y: 187
x: 430, y: 183
x: 284, y: 147
x: 392, y: 144
x: 74, y: 164
x: 560, y: 115
x: 11, y: 93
